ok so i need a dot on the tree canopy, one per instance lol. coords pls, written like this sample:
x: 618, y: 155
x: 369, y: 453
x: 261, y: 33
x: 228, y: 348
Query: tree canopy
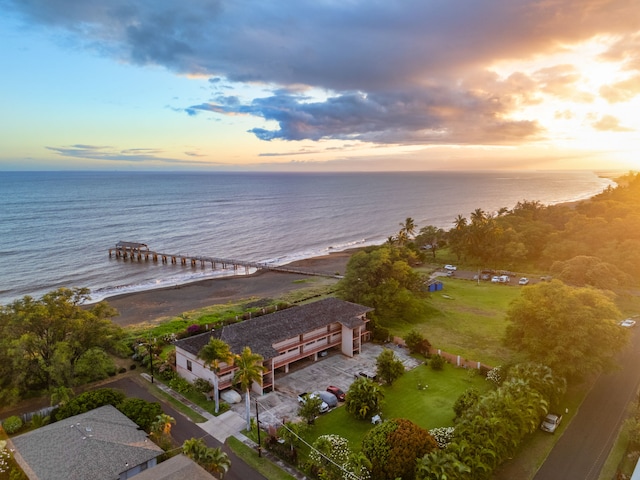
x: 383, y: 278
x: 574, y: 331
x: 43, y: 342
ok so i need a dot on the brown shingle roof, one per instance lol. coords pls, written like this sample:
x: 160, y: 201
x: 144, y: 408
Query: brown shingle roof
x: 261, y: 333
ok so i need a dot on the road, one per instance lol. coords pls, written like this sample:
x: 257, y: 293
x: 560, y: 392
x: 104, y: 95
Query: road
x: 585, y: 445
x: 185, y: 429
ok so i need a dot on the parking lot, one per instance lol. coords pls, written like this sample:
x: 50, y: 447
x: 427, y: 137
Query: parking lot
x: 308, y: 376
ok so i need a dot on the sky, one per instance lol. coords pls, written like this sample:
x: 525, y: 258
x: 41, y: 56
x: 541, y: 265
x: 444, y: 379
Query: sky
x: 319, y: 85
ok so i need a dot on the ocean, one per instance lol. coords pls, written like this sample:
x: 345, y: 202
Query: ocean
x: 56, y: 228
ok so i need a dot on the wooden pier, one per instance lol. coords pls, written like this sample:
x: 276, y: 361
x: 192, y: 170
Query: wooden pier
x: 140, y: 252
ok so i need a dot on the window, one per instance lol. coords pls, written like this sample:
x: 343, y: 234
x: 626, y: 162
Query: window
x: 189, y: 365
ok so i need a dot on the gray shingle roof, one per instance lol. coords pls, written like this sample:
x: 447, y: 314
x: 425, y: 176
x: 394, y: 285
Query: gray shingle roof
x: 261, y: 333
x: 97, y: 444
x: 176, y: 468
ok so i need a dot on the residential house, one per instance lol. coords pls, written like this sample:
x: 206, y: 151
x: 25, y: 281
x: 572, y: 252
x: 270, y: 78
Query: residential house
x: 282, y: 338
x: 102, y: 444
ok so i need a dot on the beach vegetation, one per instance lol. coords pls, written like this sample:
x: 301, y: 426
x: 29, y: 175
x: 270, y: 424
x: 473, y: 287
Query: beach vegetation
x: 51, y: 341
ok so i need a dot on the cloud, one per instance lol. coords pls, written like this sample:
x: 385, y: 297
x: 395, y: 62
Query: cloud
x: 106, y: 153
x: 406, y: 72
x: 609, y: 123
x: 622, y: 91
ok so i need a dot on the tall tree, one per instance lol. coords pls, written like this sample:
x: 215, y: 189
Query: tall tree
x: 572, y: 330
x: 389, y: 367
x: 250, y: 370
x: 214, y: 354
x: 46, y: 338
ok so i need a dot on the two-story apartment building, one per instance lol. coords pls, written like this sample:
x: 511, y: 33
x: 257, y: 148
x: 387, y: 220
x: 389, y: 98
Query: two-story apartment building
x: 282, y: 338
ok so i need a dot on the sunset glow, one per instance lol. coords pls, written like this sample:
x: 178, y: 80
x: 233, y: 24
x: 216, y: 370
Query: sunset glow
x: 321, y: 85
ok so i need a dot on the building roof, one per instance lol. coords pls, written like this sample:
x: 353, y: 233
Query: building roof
x: 176, y: 468
x: 99, y: 444
x: 261, y: 333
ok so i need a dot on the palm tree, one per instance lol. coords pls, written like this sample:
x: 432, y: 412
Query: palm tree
x: 218, y: 461
x: 162, y: 424
x: 408, y: 227
x: 460, y: 222
x: 195, y: 449
x: 249, y: 370
x: 214, y: 353
x: 212, y: 459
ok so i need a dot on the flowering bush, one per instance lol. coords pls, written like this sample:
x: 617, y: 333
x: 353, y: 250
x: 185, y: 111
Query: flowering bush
x: 193, y: 329
x: 442, y: 435
x: 495, y: 375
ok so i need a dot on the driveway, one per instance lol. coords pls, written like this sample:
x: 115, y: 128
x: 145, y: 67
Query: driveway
x: 585, y: 445
x: 185, y: 429
x: 307, y: 376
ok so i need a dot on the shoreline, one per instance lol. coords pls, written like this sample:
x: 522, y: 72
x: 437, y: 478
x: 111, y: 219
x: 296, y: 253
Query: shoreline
x: 158, y: 304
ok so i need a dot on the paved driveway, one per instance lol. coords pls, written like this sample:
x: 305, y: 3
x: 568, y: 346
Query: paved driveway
x: 307, y: 376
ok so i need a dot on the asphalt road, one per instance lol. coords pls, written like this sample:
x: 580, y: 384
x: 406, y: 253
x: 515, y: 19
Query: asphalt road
x: 185, y: 429
x: 585, y: 445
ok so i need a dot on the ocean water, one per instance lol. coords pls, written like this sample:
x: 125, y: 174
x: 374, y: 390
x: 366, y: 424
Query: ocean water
x: 56, y: 227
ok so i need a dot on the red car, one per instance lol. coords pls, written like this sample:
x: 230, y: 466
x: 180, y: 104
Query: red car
x: 337, y: 392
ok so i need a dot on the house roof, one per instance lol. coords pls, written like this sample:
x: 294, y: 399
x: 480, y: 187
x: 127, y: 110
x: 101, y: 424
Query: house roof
x: 261, y: 333
x: 176, y: 468
x: 99, y: 444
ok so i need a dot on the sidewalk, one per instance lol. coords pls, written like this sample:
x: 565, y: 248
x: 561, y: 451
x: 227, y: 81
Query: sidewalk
x: 224, y: 426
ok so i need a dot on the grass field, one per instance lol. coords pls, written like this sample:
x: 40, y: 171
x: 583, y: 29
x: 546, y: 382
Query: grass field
x: 466, y: 319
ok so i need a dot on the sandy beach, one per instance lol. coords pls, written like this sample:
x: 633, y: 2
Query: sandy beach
x: 151, y: 305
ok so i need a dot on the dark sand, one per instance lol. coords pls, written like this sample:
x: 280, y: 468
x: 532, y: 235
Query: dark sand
x: 153, y: 305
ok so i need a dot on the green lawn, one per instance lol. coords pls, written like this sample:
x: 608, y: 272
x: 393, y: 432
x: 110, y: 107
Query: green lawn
x: 467, y: 319
x: 429, y: 408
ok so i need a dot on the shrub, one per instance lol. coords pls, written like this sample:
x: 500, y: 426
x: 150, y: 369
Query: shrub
x: 140, y: 411
x: 12, y: 424
x: 437, y: 362
x: 122, y: 370
x: 88, y: 401
x: 132, y: 366
x: 416, y: 343
x: 465, y: 401
x: 393, y: 447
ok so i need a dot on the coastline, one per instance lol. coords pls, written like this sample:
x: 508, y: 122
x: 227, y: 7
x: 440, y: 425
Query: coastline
x: 163, y: 303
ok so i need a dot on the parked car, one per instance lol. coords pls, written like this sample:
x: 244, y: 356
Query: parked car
x: 303, y: 398
x: 369, y: 375
x: 327, y: 397
x: 523, y: 281
x: 628, y: 323
x: 505, y: 279
x: 495, y: 279
x: 551, y: 422
x: 340, y: 395
x: 451, y: 268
